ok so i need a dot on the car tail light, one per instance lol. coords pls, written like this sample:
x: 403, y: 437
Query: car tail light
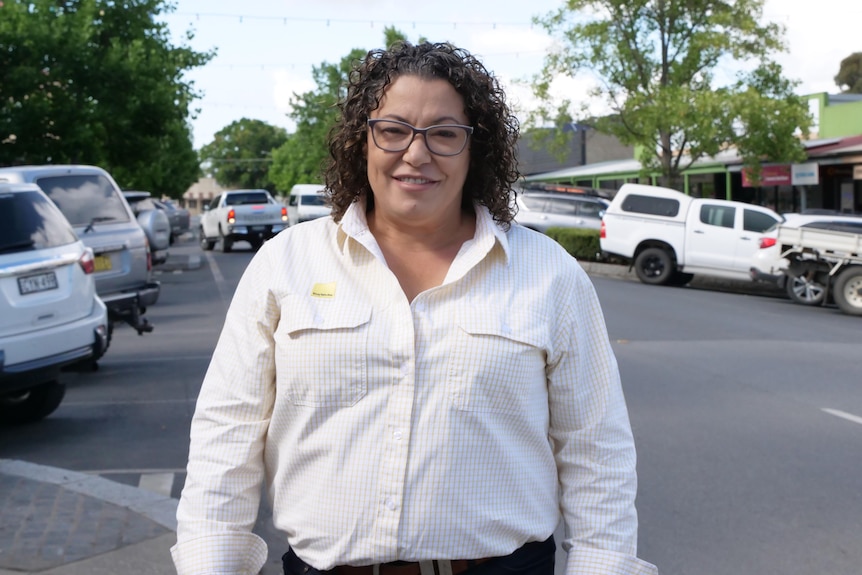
x: 231, y: 216
x: 149, y: 256
x: 767, y: 242
x: 87, y: 261
x: 603, y: 232
x: 283, y: 214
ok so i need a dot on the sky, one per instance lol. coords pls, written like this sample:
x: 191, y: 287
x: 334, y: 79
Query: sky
x: 266, y: 49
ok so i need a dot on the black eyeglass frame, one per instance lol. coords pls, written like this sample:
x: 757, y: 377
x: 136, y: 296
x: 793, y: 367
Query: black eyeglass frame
x: 423, y: 131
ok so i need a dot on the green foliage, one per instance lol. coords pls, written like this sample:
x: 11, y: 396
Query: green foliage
x: 660, y: 65
x: 98, y: 82
x: 240, y: 155
x: 850, y: 74
x: 583, y: 244
x: 301, y: 158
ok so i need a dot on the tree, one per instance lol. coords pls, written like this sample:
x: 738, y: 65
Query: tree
x: 301, y: 158
x: 241, y: 154
x: 850, y: 74
x: 98, y: 82
x: 659, y: 64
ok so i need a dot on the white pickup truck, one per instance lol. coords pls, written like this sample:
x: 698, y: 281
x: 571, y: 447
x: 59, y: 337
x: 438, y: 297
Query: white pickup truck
x: 241, y: 215
x: 830, y: 257
x: 668, y: 236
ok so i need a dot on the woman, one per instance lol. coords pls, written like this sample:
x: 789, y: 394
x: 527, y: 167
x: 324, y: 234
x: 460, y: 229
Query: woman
x: 424, y: 386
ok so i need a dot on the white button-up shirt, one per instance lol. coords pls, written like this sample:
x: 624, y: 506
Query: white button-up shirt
x: 459, y: 426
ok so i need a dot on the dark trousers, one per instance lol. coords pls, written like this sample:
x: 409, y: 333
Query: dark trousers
x: 535, y: 558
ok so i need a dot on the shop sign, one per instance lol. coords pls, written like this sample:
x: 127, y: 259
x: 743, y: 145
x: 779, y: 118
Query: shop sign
x: 805, y: 174
x: 770, y: 176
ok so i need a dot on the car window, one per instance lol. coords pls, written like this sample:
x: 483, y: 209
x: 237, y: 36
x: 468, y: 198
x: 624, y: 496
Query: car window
x: 838, y: 226
x: 246, y: 198
x: 533, y: 203
x: 29, y: 221
x: 591, y: 209
x: 313, y: 200
x: 715, y: 215
x: 562, y: 206
x: 650, y: 205
x: 754, y: 221
x: 85, y: 199
x: 142, y: 204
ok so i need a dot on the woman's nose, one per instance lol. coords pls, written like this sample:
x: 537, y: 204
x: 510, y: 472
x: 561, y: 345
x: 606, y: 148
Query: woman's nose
x: 417, y: 152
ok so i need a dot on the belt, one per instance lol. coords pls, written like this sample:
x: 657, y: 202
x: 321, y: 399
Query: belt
x: 442, y: 567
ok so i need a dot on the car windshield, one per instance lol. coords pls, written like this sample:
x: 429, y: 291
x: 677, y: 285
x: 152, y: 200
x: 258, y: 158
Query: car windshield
x: 28, y: 221
x: 85, y: 199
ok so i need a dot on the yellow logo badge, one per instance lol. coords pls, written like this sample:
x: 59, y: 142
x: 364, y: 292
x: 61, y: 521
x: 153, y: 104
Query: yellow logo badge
x: 323, y: 290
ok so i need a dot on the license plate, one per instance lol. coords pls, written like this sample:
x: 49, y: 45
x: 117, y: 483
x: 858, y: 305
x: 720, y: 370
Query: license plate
x: 37, y: 283
x: 258, y: 228
x: 102, y: 263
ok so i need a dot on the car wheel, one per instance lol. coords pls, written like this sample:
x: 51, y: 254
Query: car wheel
x: 206, y: 244
x: 31, y: 404
x: 654, y: 266
x: 805, y: 291
x: 848, y: 290
x: 226, y: 244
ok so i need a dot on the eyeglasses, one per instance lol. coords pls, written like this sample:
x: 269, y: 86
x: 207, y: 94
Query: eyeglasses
x: 442, y: 140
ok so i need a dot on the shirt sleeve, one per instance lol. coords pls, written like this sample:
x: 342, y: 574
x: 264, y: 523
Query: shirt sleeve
x: 593, y: 443
x: 221, y: 496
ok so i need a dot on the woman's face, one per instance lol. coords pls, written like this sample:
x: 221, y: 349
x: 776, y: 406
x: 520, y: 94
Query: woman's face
x: 414, y: 186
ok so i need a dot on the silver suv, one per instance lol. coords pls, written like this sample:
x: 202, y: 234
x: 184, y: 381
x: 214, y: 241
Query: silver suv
x: 50, y: 316
x: 539, y: 210
x: 92, y: 202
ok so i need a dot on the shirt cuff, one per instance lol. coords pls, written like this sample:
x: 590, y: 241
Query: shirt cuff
x: 588, y: 561
x: 220, y: 554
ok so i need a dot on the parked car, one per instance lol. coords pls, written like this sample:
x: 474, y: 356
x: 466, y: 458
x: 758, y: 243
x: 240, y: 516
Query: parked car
x: 50, y: 315
x: 669, y: 236
x: 769, y: 264
x: 91, y: 200
x: 180, y: 218
x: 306, y: 202
x: 253, y: 216
x: 155, y: 222
x: 541, y: 210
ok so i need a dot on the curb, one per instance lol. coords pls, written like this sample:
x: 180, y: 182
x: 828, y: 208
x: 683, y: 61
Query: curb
x: 157, y: 508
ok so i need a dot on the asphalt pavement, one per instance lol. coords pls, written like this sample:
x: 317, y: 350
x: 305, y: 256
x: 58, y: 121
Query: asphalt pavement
x: 60, y: 522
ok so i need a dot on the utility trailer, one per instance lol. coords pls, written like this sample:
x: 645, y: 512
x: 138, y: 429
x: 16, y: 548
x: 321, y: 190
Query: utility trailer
x: 830, y: 257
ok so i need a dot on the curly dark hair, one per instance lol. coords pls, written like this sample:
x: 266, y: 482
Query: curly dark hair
x: 493, y: 163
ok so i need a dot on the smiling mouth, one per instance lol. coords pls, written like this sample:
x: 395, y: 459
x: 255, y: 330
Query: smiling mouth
x: 414, y: 180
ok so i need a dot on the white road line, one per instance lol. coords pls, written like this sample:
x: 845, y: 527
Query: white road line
x: 843, y: 415
x: 132, y: 470
x: 160, y: 483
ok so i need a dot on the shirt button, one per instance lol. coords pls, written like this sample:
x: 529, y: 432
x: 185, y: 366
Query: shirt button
x: 397, y: 435
x: 390, y: 505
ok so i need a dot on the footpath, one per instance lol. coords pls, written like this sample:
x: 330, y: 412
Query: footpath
x: 60, y: 522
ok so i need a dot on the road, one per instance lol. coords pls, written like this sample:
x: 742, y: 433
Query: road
x: 746, y: 412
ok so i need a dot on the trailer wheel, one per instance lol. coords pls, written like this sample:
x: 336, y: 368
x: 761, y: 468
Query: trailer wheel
x: 848, y: 290
x: 654, y: 266
x: 805, y: 290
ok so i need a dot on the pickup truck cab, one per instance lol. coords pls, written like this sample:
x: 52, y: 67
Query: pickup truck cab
x: 668, y: 236
x: 241, y: 215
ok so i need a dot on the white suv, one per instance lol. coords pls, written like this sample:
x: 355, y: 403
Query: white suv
x: 50, y: 315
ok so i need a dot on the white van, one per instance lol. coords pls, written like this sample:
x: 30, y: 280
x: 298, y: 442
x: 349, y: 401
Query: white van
x: 306, y: 202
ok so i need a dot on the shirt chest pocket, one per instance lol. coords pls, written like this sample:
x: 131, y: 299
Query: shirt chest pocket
x: 498, y: 364
x: 321, y: 352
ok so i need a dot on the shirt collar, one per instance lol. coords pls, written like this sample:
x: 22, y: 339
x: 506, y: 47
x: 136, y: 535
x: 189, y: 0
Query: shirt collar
x: 354, y: 225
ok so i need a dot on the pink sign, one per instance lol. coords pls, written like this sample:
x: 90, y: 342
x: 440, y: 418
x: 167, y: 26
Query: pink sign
x: 770, y: 176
